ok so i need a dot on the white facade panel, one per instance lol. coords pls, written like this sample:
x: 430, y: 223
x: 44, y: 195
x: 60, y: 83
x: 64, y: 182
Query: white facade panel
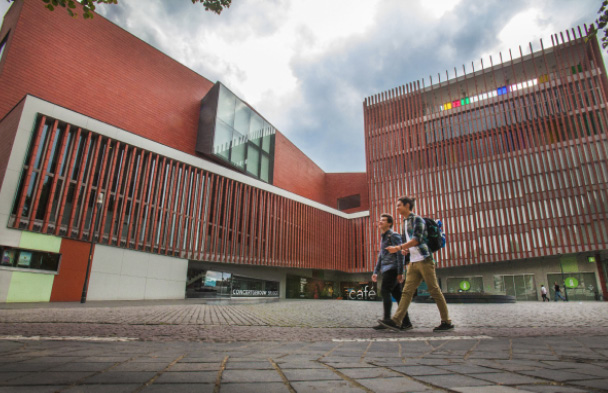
x: 165, y: 289
x: 103, y: 286
x: 119, y: 274
x: 135, y: 264
x: 132, y: 288
x: 8, y: 236
x: 107, y: 260
x: 11, y: 181
x: 5, y: 281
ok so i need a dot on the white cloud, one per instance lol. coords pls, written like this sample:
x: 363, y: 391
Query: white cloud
x: 438, y: 8
x: 307, y: 65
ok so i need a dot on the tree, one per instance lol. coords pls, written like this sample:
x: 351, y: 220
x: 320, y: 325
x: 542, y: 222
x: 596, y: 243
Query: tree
x: 88, y: 6
x: 601, y: 23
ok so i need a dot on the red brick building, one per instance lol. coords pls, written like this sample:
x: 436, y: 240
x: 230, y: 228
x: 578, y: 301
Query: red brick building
x: 513, y: 157
x: 172, y: 186
x: 182, y: 187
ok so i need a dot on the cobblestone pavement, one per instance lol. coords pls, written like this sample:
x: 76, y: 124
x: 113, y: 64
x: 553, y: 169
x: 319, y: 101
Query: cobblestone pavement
x: 301, y: 346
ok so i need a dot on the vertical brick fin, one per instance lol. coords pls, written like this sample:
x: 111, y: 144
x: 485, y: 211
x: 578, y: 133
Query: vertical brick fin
x: 93, y: 225
x: 56, y: 176
x: 78, y: 185
x: 67, y: 181
x: 108, y: 191
x: 30, y: 166
x: 42, y: 174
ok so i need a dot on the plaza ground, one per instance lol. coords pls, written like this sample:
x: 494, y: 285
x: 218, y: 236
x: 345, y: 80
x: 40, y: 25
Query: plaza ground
x: 301, y: 346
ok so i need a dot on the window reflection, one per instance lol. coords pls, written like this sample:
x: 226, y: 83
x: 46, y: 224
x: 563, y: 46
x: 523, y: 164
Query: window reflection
x: 29, y: 259
x: 241, y: 136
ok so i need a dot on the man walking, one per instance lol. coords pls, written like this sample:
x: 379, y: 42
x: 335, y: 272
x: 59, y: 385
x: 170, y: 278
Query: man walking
x: 391, y: 267
x: 558, y: 292
x: 543, y: 292
x: 422, y: 267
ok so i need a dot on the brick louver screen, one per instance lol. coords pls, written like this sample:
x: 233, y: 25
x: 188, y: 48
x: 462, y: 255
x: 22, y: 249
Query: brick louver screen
x: 159, y: 205
x: 512, y: 156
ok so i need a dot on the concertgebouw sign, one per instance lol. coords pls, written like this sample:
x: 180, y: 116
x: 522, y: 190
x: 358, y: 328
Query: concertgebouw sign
x: 253, y: 292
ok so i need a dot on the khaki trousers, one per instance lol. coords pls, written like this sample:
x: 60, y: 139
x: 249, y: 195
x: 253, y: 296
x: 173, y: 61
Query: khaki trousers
x: 416, y: 272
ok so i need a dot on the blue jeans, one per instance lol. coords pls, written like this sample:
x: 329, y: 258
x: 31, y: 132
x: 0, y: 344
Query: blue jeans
x: 559, y: 294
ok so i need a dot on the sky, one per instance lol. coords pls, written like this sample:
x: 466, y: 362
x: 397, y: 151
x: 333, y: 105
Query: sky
x: 308, y: 65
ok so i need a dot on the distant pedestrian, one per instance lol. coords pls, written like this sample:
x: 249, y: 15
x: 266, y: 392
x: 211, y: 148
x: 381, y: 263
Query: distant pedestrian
x: 543, y: 292
x: 558, y: 293
x: 391, y: 266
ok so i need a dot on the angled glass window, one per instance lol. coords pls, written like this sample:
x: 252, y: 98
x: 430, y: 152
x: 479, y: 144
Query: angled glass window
x: 253, y: 159
x: 226, y: 106
x: 3, y: 45
x: 231, y: 129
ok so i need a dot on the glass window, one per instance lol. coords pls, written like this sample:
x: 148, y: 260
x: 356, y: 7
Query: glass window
x: 266, y: 143
x: 253, y: 159
x: 223, y: 137
x: 349, y: 202
x: 242, y: 116
x: 256, y: 127
x: 242, y: 136
x: 29, y: 259
x: 237, y: 156
x: 465, y: 284
x: 575, y: 286
x: 207, y: 283
x: 311, y: 288
x: 226, y: 106
x: 250, y: 287
x: 265, y: 170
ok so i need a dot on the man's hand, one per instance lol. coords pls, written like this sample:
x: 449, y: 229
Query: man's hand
x: 393, y: 249
x: 406, y: 251
x: 374, y: 277
x: 400, y: 278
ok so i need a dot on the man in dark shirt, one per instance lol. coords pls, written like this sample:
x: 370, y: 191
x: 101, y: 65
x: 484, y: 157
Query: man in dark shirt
x: 558, y: 292
x: 391, y: 267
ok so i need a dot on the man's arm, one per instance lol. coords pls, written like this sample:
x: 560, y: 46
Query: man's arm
x: 417, y: 234
x: 404, y: 246
x: 377, y: 268
x: 396, y: 239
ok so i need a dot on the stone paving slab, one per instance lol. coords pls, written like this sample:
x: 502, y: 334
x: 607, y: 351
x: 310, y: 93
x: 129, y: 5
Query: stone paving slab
x: 547, y: 319
x: 391, y: 385
x: 550, y: 389
x: 323, y: 372
x: 250, y: 352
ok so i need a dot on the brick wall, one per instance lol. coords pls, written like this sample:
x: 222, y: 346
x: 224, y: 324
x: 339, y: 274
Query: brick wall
x: 100, y: 70
x: 8, y: 130
x: 295, y: 172
x: 95, y: 68
x: 339, y: 185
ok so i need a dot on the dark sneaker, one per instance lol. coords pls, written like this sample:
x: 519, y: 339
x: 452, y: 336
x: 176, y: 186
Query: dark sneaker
x: 444, y: 327
x: 379, y: 327
x: 405, y: 327
x: 389, y: 324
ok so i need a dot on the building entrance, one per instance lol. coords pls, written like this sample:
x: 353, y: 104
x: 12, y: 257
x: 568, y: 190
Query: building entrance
x: 576, y: 286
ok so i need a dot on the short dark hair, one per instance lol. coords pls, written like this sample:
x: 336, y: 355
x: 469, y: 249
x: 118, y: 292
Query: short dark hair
x: 406, y: 199
x: 389, y: 218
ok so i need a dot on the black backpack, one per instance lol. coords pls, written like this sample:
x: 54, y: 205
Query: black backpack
x: 434, y: 234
